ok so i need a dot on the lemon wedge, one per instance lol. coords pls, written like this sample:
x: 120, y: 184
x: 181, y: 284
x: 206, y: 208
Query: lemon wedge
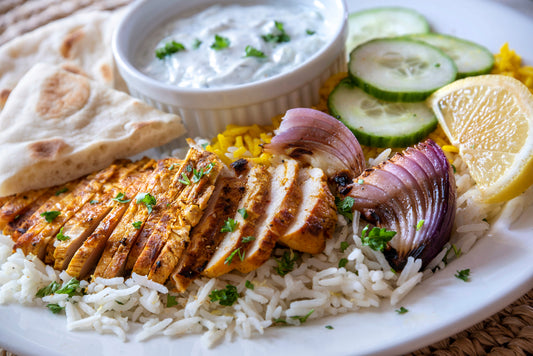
x: 490, y: 119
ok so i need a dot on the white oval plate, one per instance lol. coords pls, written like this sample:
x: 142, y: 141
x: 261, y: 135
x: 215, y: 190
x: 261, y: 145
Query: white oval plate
x: 500, y: 264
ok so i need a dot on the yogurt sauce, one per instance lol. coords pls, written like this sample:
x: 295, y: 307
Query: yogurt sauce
x: 262, y: 27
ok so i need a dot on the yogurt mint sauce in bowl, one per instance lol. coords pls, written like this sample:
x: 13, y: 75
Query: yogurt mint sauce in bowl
x: 216, y: 63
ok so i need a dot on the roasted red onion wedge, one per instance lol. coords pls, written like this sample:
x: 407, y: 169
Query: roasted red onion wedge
x: 318, y: 139
x: 413, y: 193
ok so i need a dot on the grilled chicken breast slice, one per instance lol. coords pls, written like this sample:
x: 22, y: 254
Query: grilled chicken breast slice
x: 316, y: 216
x: 254, y: 202
x: 87, y: 256
x: 285, y: 196
x: 16, y: 205
x: 36, y: 239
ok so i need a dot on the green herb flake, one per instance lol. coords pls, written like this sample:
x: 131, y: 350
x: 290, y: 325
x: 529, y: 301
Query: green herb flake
x: 361, y: 181
x: 344, y: 246
x: 238, y: 252
x: 61, y: 237
x: 454, y: 169
x: 229, y: 225
x: 286, y: 262
x: 196, y: 44
x: 343, y: 262
x: 485, y: 220
x: 329, y: 327
x: 344, y: 207
x: 197, y: 175
x: 280, y: 321
x: 50, y: 216
x: 220, y: 43
x: 456, y: 251
x: 121, y: 198
x: 184, y: 179
x: 243, y: 213
x: 463, y: 274
x: 249, y: 285
x: 137, y: 224
x: 147, y: 199
x: 377, y: 238
x: 69, y: 288
x: 279, y: 37
x: 92, y: 202
x: 253, y: 52
x: 168, y: 49
x: 119, y: 302
x: 437, y: 65
x: 303, y: 319
x: 55, y: 308
x: 310, y: 32
x: 226, y: 296
x: 171, y: 301
x: 204, y: 145
x: 171, y: 167
x: 61, y: 191
x: 393, y: 270
x: 48, y: 290
x: 189, y: 168
x: 419, y: 225
x: 402, y: 310
x: 247, y: 239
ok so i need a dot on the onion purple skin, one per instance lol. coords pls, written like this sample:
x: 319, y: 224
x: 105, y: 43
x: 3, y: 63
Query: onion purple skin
x: 417, y: 184
x: 318, y: 139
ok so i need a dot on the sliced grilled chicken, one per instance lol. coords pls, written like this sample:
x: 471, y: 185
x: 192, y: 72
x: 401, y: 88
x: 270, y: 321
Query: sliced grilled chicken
x: 87, y: 256
x: 168, y: 241
x: 285, y: 196
x: 316, y: 216
x: 36, y: 239
x: 233, y: 245
x: 206, y: 236
x: 16, y: 205
x: 113, y: 260
x: 79, y: 227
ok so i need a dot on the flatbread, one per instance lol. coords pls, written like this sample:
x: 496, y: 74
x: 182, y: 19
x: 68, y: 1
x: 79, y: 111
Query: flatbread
x: 57, y: 126
x: 81, y: 43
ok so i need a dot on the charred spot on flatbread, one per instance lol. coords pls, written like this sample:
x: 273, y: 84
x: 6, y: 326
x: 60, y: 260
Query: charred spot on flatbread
x: 47, y: 149
x: 4, y: 94
x: 70, y: 40
x: 62, y: 94
x: 107, y: 73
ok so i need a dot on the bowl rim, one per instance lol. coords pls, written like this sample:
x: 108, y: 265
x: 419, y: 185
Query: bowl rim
x: 168, y: 92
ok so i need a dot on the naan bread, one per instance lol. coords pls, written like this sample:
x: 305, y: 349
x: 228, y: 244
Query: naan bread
x: 57, y: 126
x: 81, y: 43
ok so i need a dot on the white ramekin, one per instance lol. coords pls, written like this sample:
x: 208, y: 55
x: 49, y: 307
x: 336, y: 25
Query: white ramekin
x: 206, y: 112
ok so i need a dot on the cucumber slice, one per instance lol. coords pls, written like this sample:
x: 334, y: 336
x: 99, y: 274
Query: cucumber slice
x: 383, y: 22
x: 380, y: 123
x: 469, y: 57
x: 400, y: 69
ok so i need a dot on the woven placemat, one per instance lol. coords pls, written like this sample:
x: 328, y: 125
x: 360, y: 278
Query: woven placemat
x: 509, y: 332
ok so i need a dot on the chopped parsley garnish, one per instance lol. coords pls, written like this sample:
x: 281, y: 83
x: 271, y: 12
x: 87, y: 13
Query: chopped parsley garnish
x: 168, y: 49
x: 137, y: 224
x: 184, y: 179
x: 329, y: 327
x: 226, y: 296
x: 171, y: 167
x: 204, y: 145
x: 229, y: 225
x: 377, y: 238
x: 55, y: 308
x: 48, y: 290
x: 49, y: 216
x: 279, y: 37
x: 61, y: 237
x: 303, y: 319
x: 196, y: 44
x: 119, y: 302
x: 402, y: 310
x: 92, y: 202
x: 237, y: 251
x: 310, y: 32
x: 61, y: 191
x: 171, y: 301
x: 69, y: 288
x: 197, y: 175
x: 121, y: 198
x: 393, y: 270
x: 247, y: 239
x: 253, y: 52
x: 344, y: 207
x: 419, y: 225
x: 343, y: 262
x: 147, y: 199
x: 455, y: 250
x: 344, y: 246
x: 220, y: 43
x: 249, y: 285
x: 361, y: 181
x: 463, y: 274
x: 188, y: 168
x: 243, y: 213
x: 280, y: 321
x: 454, y: 169
x: 286, y: 262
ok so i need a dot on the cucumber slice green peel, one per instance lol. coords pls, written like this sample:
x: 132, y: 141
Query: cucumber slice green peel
x: 469, y: 57
x: 400, y: 69
x: 380, y: 123
x: 382, y: 22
